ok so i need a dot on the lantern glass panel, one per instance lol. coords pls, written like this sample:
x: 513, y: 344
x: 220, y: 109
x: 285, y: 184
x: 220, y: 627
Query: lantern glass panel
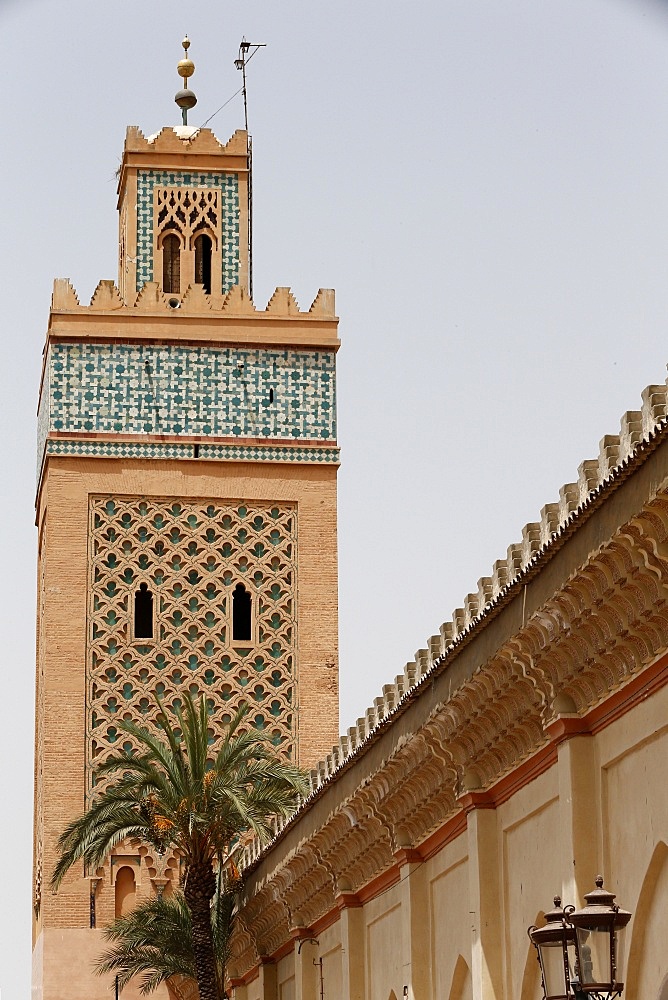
x: 620, y: 954
x: 594, y: 949
x: 554, y: 975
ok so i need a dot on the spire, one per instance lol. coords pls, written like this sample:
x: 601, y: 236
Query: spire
x: 185, y: 68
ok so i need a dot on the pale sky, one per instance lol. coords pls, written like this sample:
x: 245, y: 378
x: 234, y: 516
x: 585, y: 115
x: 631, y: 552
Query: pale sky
x: 485, y: 185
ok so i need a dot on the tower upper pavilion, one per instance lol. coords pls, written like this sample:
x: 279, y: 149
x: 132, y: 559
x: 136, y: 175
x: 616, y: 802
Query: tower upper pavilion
x: 186, y: 508
x: 183, y: 212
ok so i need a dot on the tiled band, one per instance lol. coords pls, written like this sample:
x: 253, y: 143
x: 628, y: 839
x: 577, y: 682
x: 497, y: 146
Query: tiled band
x: 196, y: 391
x: 209, y: 452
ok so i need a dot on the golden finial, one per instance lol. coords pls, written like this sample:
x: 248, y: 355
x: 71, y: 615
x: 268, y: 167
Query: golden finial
x: 185, y: 68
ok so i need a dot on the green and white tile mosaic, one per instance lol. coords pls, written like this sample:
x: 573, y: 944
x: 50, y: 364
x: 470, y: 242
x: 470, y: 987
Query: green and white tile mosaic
x: 227, y: 184
x: 177, y: 390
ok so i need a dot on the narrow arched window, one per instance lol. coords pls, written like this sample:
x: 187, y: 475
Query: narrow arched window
x: 143, y: 613
x: 203, y: 247
x: 171, y: 264
x: 124, y: 892
x: 241, y: 614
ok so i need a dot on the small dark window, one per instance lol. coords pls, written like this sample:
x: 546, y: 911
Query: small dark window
x: 203, y: 262
x: 241, y: 614
x: 171, y: 264
x: 143, y: 613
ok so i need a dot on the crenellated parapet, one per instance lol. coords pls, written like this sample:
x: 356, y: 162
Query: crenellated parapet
x: 180, y: 139
x: 316, y: 325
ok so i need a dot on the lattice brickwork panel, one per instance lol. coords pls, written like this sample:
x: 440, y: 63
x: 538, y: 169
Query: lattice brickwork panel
x: 191, y: 554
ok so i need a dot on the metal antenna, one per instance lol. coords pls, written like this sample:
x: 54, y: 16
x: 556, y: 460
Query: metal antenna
x: 246, y: 52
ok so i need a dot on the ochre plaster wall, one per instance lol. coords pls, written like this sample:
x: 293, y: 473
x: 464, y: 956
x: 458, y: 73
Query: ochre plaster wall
x: 383, y: 948
x: 63, y: 968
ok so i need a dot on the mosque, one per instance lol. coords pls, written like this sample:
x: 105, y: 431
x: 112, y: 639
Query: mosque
x: 186, y: 511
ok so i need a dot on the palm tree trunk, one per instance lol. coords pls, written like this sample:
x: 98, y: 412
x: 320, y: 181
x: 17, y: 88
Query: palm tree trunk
x: 198, y: 890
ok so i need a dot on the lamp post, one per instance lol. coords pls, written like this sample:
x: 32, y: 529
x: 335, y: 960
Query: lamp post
x: 579, y: 951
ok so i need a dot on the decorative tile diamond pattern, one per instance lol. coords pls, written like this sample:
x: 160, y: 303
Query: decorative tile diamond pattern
x: 207, y: 452
x: 227, y: 184
x: 192, y: 391
x: 191, y: 554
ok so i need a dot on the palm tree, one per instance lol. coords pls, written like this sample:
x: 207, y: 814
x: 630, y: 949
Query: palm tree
x: 155, y: 941
x: 172, y: 794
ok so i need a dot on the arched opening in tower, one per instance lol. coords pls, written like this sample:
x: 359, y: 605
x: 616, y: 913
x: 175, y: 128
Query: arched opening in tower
x: 171, y: 264
x: 203, y: 248
x: 124, y: 892
x: 143, y: 613
x: 241, y: 614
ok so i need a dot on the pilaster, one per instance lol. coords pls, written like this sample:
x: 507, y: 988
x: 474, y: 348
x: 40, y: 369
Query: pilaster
x: 485, y: 902
x: 415, y: 937
x: 268, y: 980
x: 579, y: 827
x: 352, y: 947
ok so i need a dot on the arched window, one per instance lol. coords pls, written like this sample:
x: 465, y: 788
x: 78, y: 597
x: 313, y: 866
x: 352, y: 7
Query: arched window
x: 143, y: 613
x: 171, y: 264
x: 241, y: 614
x: 124, y: 892
x: 203, y: 247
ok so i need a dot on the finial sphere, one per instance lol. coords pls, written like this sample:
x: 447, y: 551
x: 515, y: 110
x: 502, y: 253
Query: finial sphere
x: 185, y: 100
x: 185, y: 68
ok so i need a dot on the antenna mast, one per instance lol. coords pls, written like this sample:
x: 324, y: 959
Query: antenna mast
x: 246, y: 52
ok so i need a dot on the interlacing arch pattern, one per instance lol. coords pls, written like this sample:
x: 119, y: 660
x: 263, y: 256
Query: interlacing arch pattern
x: 187, y: 211
x: 190, y: 554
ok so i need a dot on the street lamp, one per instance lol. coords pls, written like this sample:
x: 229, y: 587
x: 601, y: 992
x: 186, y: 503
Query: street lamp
x: 580, y: 951
x: 599, y: 930
x: 555, y: 944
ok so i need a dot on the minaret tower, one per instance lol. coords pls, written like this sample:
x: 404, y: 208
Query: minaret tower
x: 186, y: 508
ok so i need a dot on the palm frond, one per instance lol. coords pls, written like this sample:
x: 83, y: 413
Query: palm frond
x: 175, y: 793
x: 154, y: 942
